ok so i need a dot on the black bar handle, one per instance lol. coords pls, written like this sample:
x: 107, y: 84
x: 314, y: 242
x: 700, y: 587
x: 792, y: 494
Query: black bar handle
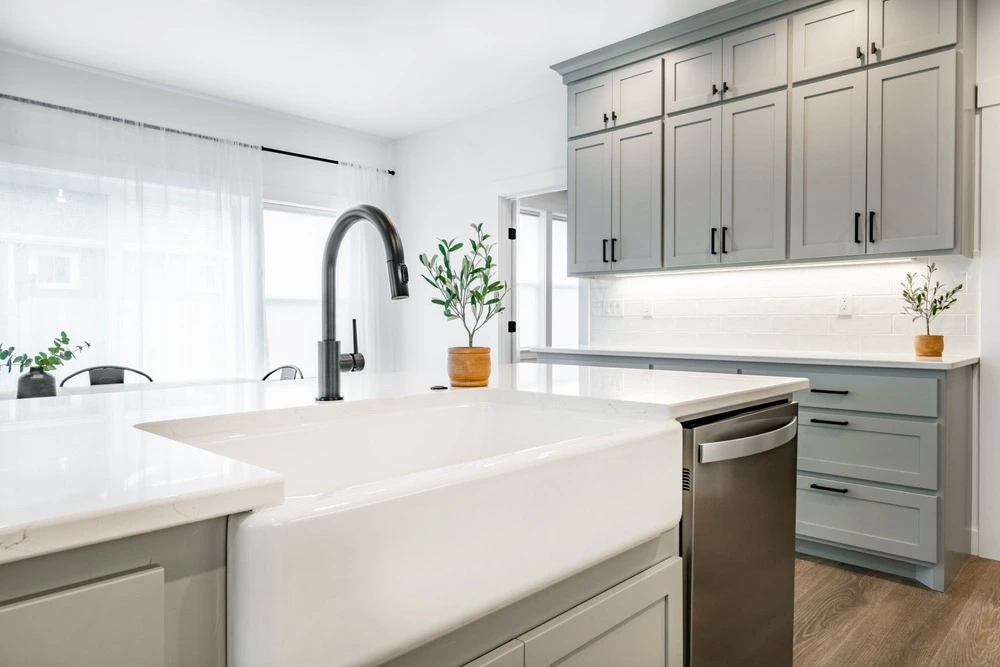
x: 861, y: 56
x: 857, y: 227
x: 871, y: 226
x: 827, y: 488
x: 874, y: 48
x: 354, y: 327
x: 724, y: 251
x: 828, y: 421
x: 605, y: 119
x: 715, y: 89
x: 715, y: 231
x: 725, y: 86
x: 604, y: 251
x: 613, y: 242
x: 614, y: 116
x: 838, y: 392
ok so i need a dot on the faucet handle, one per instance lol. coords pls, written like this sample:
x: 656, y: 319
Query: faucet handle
x: 354, y: 327
x: 352, y: 362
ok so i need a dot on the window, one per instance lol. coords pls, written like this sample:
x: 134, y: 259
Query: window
x: 547, y: 300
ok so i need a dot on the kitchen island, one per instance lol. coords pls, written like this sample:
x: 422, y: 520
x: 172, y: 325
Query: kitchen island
x: 84, y: 486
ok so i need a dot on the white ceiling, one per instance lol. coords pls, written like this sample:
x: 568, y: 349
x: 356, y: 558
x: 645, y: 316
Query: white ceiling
x: 387, y: 67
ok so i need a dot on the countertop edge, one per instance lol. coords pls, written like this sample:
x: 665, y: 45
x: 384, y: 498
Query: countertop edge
x: 19, y: 542
x: 776, y: 358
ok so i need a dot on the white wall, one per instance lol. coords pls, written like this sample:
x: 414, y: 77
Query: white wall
x: 988, y: 80
x: 786, y: 308
x: 451, y: 177
x: 285, y: 178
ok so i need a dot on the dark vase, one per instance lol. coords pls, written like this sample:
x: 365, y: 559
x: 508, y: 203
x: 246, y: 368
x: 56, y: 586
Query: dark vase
x: 35, y: 384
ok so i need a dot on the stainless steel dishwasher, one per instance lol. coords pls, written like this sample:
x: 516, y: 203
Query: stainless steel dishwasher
x: 738, y: 537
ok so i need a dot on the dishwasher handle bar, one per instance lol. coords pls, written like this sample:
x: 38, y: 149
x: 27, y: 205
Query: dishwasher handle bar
x: 723, y: 450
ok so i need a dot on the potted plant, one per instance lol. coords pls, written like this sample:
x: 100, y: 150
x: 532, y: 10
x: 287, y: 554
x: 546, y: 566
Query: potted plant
x: 470, y: 293
x: 37, y: 382
x: 925, y: 301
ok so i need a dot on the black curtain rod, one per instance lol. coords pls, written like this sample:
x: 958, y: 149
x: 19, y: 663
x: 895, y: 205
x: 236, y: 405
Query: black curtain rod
x: 310, y: 157
x: 169, y: 130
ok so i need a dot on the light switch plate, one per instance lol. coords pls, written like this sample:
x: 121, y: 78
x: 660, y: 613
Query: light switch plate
x: 614, y: 308
x: 845, y: 306
x: 647, y: 308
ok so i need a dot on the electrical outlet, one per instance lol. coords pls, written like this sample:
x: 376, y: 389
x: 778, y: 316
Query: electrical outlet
x: 647, y: 308
x: 845, y: 306
x: 614, y: 308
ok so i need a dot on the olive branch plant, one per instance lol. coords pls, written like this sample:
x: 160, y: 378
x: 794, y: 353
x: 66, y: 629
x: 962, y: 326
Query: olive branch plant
x: 56, y: 354
x: 468, y: 288
x: 928, y: 300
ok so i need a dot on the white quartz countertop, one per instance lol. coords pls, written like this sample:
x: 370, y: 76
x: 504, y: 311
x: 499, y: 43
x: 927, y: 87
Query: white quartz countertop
x: 75, y: 471
x: 945, y: 363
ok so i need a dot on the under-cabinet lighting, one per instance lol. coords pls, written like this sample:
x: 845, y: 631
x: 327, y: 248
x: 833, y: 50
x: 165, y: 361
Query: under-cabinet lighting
x: 766, y: 267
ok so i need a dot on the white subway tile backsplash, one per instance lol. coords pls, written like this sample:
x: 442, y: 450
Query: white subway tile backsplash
x: 786, y: 308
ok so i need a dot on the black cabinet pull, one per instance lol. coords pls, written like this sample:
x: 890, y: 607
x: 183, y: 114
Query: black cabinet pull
x: 874, y: 48
x: 724, y: 251
x: 861, y: 56
x: 857, y: 228
x: 838, y: 392
x: 827, y: 488
x: 614, y: 116
x: 828, y: 421
x: 613, y: 242
x: 605, y: 119
x: 715, y: 89
x: 714, y: 232
x: 725, y: 86
x: 871, y: 226
x: 604, y: 250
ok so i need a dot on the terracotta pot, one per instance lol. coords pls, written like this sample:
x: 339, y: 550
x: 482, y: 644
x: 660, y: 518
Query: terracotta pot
x: 469, y: 366
x: 928, y: 346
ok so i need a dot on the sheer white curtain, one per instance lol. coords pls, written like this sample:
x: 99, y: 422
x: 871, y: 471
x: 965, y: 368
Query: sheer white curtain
x: 362, y: 282
x: 146, y: 243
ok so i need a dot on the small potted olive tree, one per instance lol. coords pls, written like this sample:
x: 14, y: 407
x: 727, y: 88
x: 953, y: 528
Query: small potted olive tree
x: 469, y: 292
x: 925, y: 299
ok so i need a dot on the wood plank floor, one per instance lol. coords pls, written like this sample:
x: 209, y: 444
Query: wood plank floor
x: 846, y: 616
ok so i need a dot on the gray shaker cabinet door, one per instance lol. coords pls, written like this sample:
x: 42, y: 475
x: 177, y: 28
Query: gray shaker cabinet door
x: 755, y: 60
x: 828, y: 138
x: 589, y: 105
x: 911, y: 155
x: 692, y: 76
x: 692, y: 187
x: 637, y: 622
x: 637, y: 197
x: 510, y: 654
x: 899, y: 28
x: 754, y: 135
x: 589, y: 205
x: 830, y: 38
x: 637, y: 92
x: 116, y: 622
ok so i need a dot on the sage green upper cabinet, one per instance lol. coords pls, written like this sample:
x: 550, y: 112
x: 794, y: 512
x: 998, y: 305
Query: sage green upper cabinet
x: 830, y: 38
x: 753, y: 178
x: 637, y: 92
x: 911, y: 155
x: 637, y: 197
x: 755, y: 60
x: 692, y: 76
x: 692, y: 178
x: 828, y: 136
x: 589, y: 205
x: 589, y: 105
x: 899, y: 28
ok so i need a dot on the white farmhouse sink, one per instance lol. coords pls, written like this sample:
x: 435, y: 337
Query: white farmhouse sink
x: 407, y: 518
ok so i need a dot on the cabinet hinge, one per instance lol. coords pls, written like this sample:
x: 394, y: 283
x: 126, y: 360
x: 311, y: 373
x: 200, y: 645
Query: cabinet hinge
x: 511, y: 233
x: 512, y: 327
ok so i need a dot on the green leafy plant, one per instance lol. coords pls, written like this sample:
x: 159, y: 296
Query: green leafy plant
x: 468, y: 288
x: 927, y: 300
x: 48, y: 359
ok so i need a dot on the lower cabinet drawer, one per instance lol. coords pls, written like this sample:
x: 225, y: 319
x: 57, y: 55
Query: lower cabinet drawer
x: 889, y: 521
x: 891, y: 451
